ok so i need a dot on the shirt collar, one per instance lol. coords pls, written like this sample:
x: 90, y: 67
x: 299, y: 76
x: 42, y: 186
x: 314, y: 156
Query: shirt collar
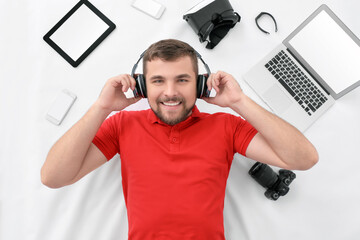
x: 154, y: 119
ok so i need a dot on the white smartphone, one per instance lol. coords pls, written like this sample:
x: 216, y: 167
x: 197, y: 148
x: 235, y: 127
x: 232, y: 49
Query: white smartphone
x: 60, y: 107
x: 149, y: 7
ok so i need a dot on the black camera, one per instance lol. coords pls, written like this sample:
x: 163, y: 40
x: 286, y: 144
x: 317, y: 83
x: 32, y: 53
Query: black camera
x: 277, y: 185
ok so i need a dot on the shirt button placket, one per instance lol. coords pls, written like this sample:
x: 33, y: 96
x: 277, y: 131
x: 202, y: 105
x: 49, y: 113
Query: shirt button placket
x: 174, y: 139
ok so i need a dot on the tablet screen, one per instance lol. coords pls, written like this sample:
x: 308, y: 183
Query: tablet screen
x: 77, y: 34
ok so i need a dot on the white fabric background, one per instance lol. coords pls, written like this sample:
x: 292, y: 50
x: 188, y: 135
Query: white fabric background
x: 322, y: 203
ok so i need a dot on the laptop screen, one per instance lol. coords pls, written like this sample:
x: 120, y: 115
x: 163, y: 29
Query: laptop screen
x: 329, y: 50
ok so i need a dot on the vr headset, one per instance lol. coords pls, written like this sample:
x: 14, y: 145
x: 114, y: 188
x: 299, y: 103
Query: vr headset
x: 211, y: 20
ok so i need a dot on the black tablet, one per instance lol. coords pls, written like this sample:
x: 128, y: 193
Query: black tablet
x: 79, y: 32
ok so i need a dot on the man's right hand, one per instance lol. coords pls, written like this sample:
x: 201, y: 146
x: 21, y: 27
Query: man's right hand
x: 112, y: 97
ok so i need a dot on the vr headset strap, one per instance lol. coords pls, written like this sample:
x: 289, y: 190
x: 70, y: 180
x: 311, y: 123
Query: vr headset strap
x: 217, y: 28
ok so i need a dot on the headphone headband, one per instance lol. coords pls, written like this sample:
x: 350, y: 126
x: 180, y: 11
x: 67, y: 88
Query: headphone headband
x: 197, y: 54
x: 136, y: 64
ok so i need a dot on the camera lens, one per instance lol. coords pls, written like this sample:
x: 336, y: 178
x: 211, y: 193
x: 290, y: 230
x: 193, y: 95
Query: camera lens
x: 263, y: 174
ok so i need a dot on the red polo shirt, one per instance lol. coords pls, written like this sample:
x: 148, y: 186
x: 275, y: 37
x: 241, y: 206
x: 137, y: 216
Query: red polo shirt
x: 174, y: 177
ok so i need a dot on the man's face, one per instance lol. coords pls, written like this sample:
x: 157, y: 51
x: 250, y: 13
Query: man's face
x: 171, y: 89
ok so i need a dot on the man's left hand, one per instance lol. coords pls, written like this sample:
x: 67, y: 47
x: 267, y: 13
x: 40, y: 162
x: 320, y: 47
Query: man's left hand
x: 228, y: 91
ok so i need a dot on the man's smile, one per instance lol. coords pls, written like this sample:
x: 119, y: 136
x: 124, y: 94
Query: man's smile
x: 171, y: 103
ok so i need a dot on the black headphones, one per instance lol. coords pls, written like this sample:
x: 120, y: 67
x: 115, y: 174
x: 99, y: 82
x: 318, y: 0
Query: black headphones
x: 201, y: 88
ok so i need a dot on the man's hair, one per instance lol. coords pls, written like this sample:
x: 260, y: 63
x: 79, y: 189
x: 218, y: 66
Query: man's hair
x: 170, y: 50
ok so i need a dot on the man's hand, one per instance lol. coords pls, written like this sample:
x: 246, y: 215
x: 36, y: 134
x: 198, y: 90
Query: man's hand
x: 112, y: 97
x: 228, y: 91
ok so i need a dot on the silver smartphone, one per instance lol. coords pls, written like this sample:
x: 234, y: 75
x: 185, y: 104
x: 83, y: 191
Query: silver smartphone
x: 60, y: 107
x: 150, y: 7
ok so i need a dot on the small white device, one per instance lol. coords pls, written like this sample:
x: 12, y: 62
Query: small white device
x: 150, y: 7
x: 60, y: 107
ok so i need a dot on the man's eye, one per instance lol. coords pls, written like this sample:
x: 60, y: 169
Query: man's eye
x: 157, y: 81
x: 183, y: 80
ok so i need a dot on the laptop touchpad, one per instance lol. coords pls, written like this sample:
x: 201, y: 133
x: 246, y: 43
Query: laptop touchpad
x: 277, y: 99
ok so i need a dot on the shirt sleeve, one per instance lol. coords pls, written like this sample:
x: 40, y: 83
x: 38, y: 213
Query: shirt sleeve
x: 244, y: 133
x: 107, y: 137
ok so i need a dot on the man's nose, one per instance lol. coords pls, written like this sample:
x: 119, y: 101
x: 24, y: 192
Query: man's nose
x: 170, y: 89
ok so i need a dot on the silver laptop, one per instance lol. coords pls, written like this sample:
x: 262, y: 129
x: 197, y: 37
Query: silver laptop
x: 315, y: 65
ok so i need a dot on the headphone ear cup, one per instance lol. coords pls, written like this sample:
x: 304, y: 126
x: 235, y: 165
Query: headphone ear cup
x: 202, y: 90
x: 140, y: 87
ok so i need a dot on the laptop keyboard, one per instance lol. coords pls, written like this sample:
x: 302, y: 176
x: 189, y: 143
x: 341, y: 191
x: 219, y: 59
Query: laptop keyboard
x: 296, y: 82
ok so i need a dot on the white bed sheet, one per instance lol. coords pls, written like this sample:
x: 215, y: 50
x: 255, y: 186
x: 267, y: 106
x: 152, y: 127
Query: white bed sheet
x: 322, y: 202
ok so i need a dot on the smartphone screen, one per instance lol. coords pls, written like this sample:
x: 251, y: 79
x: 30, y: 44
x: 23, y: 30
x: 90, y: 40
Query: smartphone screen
x: 60, y: 107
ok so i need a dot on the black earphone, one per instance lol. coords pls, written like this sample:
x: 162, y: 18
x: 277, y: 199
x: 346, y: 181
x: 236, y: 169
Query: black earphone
x: 201, y: 88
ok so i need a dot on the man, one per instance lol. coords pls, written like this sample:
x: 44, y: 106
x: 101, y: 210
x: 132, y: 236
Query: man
x: 175, y: 160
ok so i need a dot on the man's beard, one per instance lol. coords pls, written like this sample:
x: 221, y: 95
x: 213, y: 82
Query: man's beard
x: 184, y: 114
